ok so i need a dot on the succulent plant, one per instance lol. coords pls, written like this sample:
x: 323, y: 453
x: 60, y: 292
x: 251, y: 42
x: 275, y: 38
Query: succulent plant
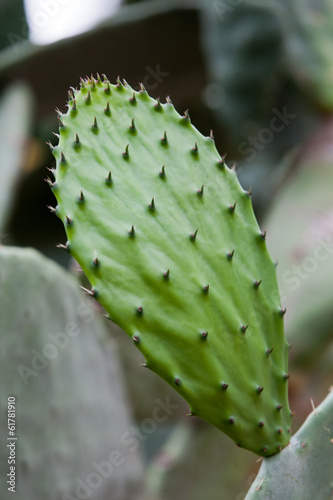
x: 304, y: 468
x: 61, y: 367
x: 169, y: 241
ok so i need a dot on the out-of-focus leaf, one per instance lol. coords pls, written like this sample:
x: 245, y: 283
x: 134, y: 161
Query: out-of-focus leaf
x: 199, y: 462
x: 149, y: 34
x: 243, y: 45
x: 13, y: 26
x: 252, y: 49
x: 300, y: 235
x: 252, y: 45
x: 15, y: 119
x: 308, y: 34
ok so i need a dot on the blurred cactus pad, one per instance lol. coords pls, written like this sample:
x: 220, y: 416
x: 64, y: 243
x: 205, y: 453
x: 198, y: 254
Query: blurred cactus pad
x: 62, y: 367
x: 169, y: 241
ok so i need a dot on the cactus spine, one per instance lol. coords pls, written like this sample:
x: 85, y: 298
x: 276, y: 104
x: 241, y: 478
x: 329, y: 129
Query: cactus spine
x: 169, y: 241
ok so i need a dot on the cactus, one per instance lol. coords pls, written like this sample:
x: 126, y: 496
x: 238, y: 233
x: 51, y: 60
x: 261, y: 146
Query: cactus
x: 304, y: 468
x: 62, y: 369
x: 169, y: 241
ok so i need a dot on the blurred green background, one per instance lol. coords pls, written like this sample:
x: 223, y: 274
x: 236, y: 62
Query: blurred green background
x: 260, y: 74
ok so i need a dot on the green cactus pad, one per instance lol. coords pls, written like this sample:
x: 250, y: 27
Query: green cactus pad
x: 168, y: 239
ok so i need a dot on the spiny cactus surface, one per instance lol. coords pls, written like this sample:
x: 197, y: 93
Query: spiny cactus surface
x: 170, y: 244
x: 304, y: 469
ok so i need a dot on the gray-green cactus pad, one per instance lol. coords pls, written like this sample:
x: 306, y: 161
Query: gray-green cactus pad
x: 304, y: 469
x: 170, y: 244
x: 58, y: 363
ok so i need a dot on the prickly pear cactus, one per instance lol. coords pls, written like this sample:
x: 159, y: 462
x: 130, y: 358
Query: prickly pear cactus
x: 61, y: 367
x: 170, y: 244
x: 303, y: 469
